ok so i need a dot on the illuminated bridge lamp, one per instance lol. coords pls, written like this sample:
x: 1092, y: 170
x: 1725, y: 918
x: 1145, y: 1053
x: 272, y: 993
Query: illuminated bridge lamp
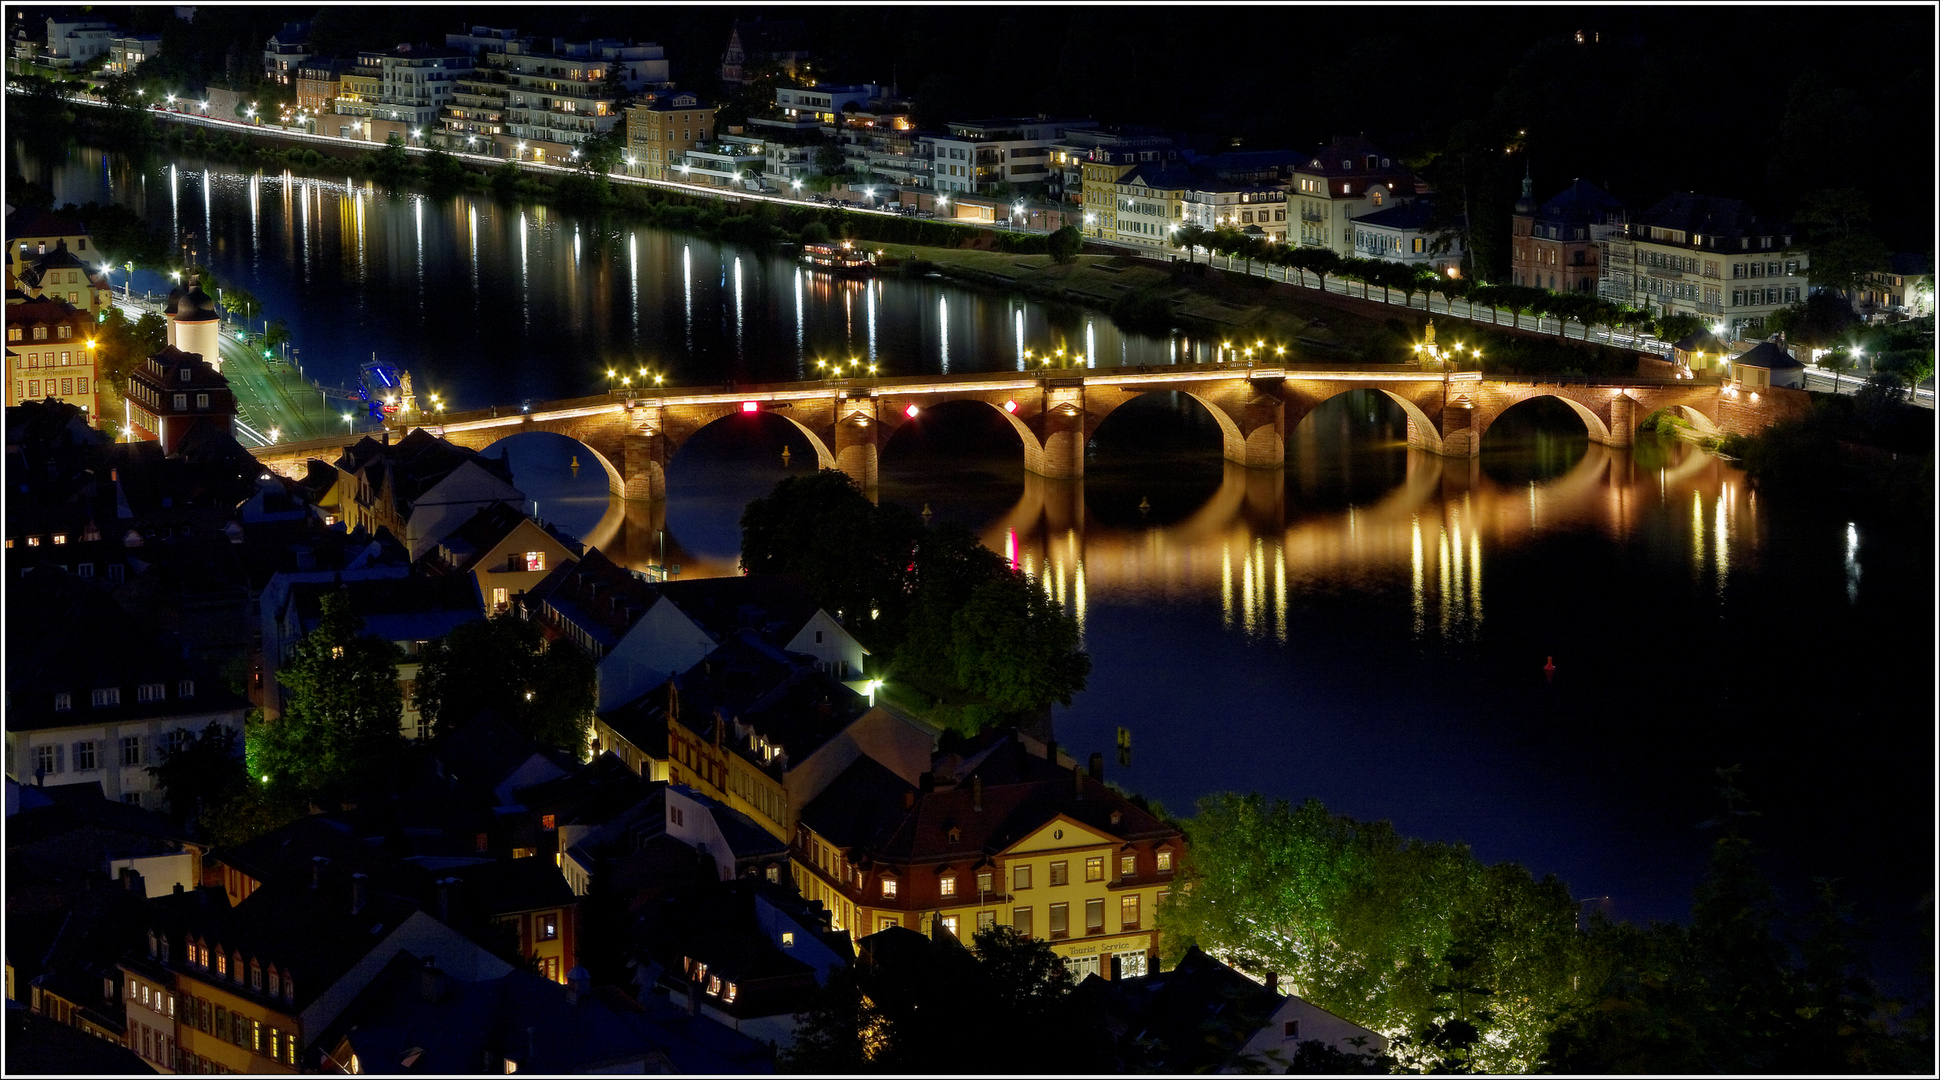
x: 911, y: 411
x: 1010, y: 406
x: 750, y: 406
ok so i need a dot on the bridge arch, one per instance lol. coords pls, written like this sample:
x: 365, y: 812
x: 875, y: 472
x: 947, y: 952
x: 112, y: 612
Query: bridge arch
x: 894, y: 420
x: 615, y: 480
x: 1593, y: 425
x: 679, y: 433
x: 1263, y: 446
x: 1423, y: 431
x: 1689, y: 414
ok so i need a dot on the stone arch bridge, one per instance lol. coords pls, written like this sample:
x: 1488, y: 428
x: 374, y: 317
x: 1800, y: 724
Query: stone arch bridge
x: 1055, y: 413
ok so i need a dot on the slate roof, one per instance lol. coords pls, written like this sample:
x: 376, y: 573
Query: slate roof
x: 583, y: 591
x: 1766, y: 354
x: 1702, y: 341
x: 396, y: 609
x: 1582, y: 203
x: 45, y: 223
x: 39, y: 1044
x: 1193, y: 1018
x: 1408, y: 215
x: 530, y: 1020
x: 1020, y: 792
x: 54, y: 645
x: 774, y: 605
x: 1709, y: 215
x: 416, y: 463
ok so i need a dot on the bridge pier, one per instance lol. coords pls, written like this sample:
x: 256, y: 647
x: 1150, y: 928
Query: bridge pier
x: 856, y: 432
x: 643, y: 471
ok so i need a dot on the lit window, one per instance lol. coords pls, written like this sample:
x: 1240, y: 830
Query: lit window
x: 535, y: 560
x: 548, y: 822
x: 950, y: 925
x: 714, y: 985
x: 889, y: 887
x: 787, y: 939
x: 60, y: 538
x: 1165, y: 862
x: 949, y: 885
x: 1128, y: 912
x: 983, y: 881
x: 730, y: 992
x: 1127, y: 866
x: 1095, y: 868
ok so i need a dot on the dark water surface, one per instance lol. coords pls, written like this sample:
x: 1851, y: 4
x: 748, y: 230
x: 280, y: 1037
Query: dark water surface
x: 1369, y: 627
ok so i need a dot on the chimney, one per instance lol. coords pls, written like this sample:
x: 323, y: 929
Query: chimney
x: 1273, y: 982
x: 444, y: 898
x: 693, y: 997
x: 131, y: 880
x: 1077, y: 782
x: 316, y: 871
x: 927, y: 782
x: 1098, y: 767
x: 909, y: 800
x: 1051, y: 751
x: 431, y: 981
x: 358, y: 893
x: 976, y: 794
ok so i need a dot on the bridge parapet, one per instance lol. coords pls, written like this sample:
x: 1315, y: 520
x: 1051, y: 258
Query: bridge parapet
x: 1055, y: 414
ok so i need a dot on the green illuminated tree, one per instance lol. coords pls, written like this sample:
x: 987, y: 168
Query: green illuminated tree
x: 339, y: 731
x: 1404, y: 937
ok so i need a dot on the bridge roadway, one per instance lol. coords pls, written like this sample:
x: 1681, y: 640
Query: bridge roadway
x: 1055, y: 412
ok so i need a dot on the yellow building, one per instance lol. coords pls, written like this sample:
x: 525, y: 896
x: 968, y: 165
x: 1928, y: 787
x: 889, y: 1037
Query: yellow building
x: 1099, y: 196
x: 660, y: 131
x: 50, y: 354
x: 1008, y: 837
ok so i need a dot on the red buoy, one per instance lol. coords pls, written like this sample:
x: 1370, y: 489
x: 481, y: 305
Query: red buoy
x: 1549, y: 663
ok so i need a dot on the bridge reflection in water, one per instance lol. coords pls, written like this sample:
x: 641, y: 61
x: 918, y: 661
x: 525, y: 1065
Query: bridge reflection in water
x: 1430, y: 531
x: 1248, y: 546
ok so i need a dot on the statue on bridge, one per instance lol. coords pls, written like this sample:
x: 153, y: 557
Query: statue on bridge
x: 407, y: 399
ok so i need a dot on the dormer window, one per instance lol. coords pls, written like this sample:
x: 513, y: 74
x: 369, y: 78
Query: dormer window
x: 275, y: 983
x: 185, y: 689
x: 889, y: 888
x: 947, y: 885
x: 64, y: 702
x: 256, y: 975
x: 183, y: 374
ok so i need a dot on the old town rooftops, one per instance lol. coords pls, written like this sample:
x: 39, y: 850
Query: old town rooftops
x: 1009, y: 794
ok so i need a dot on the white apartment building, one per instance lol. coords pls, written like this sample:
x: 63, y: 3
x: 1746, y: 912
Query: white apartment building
x: 1706, y: 256
x: 974, y: 156
x: 548, y: 94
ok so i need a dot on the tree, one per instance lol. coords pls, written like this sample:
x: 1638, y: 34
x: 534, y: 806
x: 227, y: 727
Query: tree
x: 1318, y: 261
x: 1734, y: 992
x: 1677, y: 325
x: 340, y: 729
x: 1842, y: 250
x: 199, y: 772
x: 907, y: 1012
x: 1015, y: 648
x: 1397, y: 935
x: 1065, y: 243
x: 601, y: 154
x: 1191, y: 238
x: 502, y: 664
x: 941, y: 611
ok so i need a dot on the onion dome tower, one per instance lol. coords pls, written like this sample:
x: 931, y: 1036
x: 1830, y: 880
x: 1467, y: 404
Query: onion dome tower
x: 197, y: 325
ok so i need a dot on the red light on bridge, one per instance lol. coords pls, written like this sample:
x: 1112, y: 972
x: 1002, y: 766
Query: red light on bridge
x: 750, y: 406
x: 1010, y: 406
x: 911, y: 412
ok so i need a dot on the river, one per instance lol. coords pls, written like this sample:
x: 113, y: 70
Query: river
x: 1373, y: 627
